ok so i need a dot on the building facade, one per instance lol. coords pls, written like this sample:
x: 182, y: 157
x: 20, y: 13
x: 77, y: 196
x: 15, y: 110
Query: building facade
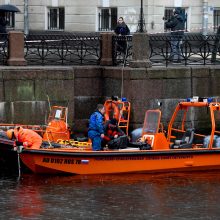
x: 101, y: 15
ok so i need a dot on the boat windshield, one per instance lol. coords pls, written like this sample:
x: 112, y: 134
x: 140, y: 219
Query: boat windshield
x: 58, y: 113
x: 151, y: 121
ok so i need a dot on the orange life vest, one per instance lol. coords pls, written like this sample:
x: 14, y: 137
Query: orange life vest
x: 111, y: 110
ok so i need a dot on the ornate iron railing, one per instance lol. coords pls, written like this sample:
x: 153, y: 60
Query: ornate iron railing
x: 85, y: 49
x: 3, y: 49
x: 122, y: 50
x: 195, y: 49
x: 50, y: 49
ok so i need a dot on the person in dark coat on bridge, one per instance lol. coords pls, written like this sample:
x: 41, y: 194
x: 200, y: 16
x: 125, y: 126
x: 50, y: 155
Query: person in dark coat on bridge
x: 3, y: 23
x: 177, y: 24
x: 122, y: 30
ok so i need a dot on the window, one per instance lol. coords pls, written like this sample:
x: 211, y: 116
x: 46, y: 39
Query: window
x: 169, y: 12
x: 56, y: 19
x: 216, y: 17
x: 107, y: 19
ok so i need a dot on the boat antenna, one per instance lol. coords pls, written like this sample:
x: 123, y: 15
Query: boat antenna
x: 122, y: 72
x: 48, y: 98
x: 67, y: 104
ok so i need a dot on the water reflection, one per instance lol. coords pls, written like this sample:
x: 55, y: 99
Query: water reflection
x: 28, y: 202
x: 161, y: 196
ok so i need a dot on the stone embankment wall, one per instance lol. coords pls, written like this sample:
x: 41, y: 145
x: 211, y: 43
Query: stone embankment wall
x: 24, y: 91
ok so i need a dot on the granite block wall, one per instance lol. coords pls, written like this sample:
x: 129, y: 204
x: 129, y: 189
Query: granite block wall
x: 26, y: 92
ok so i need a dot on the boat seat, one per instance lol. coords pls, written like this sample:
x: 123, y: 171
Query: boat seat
x: 140, y: 145
x: 186, y: 141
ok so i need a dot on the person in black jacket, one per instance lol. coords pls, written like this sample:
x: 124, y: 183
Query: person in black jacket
x: 114, y: 137
x: 3, y: 23
x: 112, y: 131
x: 122, y: 30
x: 176, y: 23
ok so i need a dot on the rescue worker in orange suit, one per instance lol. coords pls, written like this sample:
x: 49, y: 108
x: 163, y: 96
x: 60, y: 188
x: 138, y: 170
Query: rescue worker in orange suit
x: 112, y: 131
x: 25, y: 137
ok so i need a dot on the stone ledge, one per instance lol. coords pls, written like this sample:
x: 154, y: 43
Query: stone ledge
x: 87, y: 71
x: 140, y: 64
x: 16, y: 62
x: 200, y: 72
x: 10, y: 74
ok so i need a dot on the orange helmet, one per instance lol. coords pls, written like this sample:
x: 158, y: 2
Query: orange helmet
x: 10, y: 133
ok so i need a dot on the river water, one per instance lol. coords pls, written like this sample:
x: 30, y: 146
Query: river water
x: 142, y: 196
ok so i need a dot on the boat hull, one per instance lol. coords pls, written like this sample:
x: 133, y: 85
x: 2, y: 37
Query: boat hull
x: 9, y: 158
x: 116, y: 162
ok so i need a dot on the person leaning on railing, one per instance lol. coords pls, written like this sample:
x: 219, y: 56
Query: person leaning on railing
x: 176, y: 24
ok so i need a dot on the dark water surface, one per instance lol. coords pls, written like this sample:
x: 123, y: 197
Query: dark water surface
x: 143, y: 196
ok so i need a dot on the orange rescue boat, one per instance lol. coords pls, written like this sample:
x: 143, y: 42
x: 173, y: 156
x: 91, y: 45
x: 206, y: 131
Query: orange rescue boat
x: 182, y: 148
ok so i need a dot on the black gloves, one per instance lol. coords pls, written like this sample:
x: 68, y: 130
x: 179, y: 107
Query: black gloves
x: 18, y: 143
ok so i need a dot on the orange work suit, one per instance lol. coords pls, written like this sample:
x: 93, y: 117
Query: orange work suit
x: 28, y: 137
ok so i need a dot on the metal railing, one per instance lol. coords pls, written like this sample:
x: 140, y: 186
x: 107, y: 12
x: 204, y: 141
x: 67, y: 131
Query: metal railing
x: 60, y: 49
x: 122, y: 50
x: 86, y: 49
x: 3, y: 49
x: 195, y: 49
